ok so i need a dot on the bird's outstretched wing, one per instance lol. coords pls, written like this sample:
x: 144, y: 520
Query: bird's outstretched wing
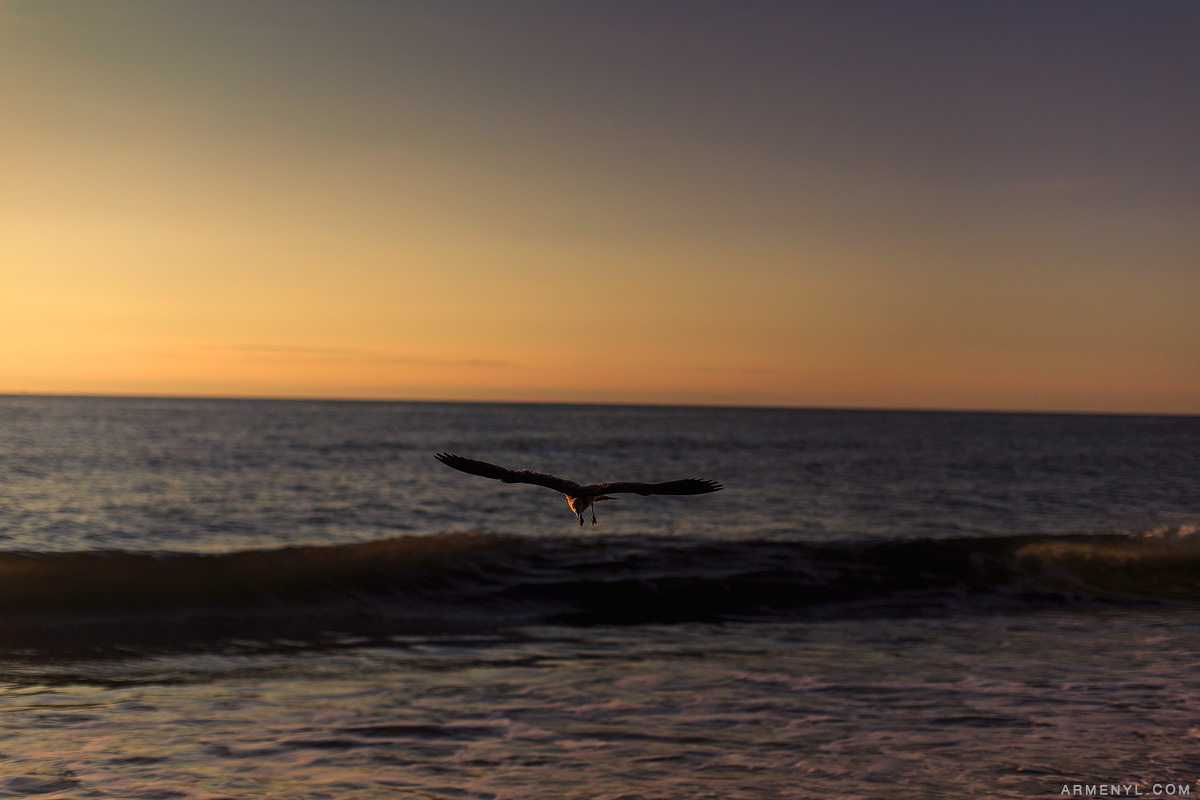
x: 685, y: 486
x: 486, y: 470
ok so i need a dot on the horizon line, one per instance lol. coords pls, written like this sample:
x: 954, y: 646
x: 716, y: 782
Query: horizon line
x: 645, y: 404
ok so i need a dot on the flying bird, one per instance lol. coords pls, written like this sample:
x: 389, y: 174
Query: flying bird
x: 579, y: 498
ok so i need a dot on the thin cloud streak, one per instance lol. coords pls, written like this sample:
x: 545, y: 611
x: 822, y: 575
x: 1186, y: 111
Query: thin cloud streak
x: 1033, y: 187
x: 294, y: 353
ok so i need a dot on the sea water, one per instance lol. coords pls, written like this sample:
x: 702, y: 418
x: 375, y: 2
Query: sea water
x: 236, y: 599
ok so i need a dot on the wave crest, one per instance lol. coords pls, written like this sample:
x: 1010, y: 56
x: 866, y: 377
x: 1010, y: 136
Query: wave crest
x: 470, y: 582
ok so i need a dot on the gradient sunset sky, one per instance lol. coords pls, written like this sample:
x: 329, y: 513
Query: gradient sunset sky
x: 892, y: 204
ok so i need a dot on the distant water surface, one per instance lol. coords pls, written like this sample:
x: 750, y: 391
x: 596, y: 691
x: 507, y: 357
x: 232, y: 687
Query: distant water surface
x: 227, y: 475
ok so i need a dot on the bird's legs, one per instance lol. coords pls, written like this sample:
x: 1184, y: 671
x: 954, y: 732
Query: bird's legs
x: 581, y: 504
x: 594, y: 501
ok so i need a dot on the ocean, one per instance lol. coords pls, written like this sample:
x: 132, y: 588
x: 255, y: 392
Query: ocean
x: 294, y: 599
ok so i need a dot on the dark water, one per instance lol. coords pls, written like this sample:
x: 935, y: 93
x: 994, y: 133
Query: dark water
x: 293, y: 599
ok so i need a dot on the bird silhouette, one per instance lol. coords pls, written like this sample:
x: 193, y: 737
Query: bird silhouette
x: 579, y: 497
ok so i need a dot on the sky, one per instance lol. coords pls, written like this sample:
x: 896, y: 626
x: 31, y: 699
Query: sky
x: 854, y: 204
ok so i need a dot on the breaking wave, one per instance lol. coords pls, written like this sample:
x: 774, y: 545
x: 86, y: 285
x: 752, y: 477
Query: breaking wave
x: 466, y: 582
